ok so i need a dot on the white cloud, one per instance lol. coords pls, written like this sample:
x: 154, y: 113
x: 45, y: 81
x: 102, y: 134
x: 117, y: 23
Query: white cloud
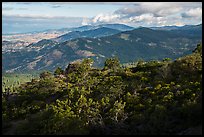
x: 143, y: 17
x: 38, y: 17
x: 149, y: 19
x: 105, y: 18
x: 86, y: 21
x: 156, y: 8
x: 154, y: 14
x: 196, y: 12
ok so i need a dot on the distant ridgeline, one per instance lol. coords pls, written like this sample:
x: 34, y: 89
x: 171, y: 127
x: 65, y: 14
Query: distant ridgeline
x: 101, y: 43
x: 151, y: 98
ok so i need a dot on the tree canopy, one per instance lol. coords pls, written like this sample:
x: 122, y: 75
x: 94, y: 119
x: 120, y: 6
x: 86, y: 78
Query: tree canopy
x: 155, y: 97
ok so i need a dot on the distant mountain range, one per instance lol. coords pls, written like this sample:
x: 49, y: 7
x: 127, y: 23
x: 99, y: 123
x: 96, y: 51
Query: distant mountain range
x: 120, y: 27
x: 104, y: 42
x: 185, y: 27
x: 93, y: 33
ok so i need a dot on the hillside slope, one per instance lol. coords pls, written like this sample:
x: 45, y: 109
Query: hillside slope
x: 141, y: 43
x: 152, y: 98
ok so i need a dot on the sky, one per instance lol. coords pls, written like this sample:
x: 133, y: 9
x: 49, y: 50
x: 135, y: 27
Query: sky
x: 21, y: 17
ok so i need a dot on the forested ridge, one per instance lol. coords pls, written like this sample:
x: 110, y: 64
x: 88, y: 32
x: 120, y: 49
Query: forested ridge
x: 129, y: 46
x: 150, y: 98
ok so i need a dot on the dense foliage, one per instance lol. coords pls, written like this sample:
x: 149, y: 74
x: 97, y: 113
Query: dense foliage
x: 12, y: 80
x: 155, y: 97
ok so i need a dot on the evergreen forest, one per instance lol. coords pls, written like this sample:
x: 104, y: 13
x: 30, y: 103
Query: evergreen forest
x: 139, y: 98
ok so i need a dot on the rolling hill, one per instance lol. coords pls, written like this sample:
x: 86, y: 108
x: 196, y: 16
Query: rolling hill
x: 128, y: 46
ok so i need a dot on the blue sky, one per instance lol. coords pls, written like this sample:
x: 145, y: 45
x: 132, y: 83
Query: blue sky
x: 19, y: 17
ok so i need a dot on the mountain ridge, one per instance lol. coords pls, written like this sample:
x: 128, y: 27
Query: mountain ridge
x: 128, y: 46
x: 98, y: 32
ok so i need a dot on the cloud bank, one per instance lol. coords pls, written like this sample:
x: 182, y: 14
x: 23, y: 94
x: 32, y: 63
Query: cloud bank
x: 147, y: 14
x: 153, y: 14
